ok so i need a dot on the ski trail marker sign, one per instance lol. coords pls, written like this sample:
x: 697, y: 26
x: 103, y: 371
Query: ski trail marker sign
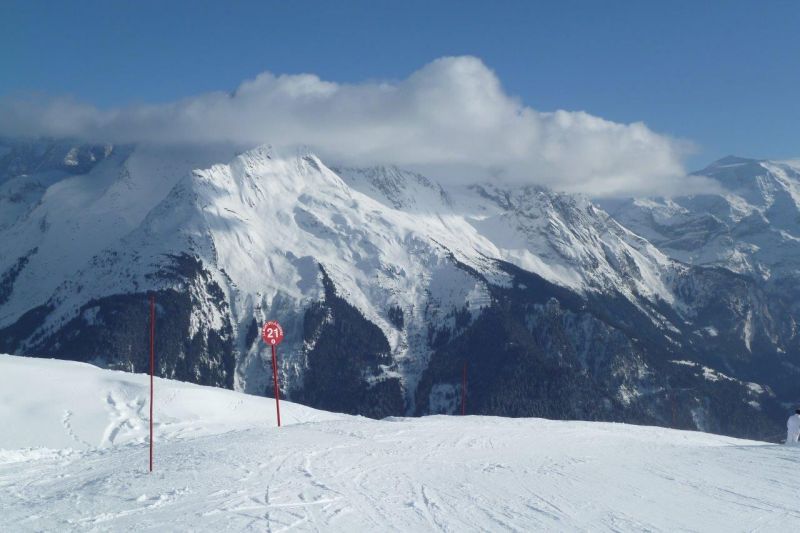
x: 272, y: 333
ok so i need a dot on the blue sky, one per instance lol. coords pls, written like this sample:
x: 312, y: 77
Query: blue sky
x: 725, y: 75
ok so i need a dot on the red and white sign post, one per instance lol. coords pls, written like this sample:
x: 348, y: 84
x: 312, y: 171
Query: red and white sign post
x: 272, y: 333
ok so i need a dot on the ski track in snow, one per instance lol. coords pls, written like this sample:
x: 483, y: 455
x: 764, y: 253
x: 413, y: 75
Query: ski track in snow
x: 358, y: 474
x: 225, y: 467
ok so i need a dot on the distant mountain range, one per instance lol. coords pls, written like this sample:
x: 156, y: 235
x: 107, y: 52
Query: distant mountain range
x: 679, y: 312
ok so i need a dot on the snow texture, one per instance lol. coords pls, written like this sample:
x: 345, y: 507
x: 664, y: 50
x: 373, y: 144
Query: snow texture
x: 73, y: 457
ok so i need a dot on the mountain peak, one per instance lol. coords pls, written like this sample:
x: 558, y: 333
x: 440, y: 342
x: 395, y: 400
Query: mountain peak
x: 732, y: 160
x: 734, y: 171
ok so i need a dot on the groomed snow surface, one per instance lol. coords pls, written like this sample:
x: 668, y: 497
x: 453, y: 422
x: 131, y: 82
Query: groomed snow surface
x: 74, y: 454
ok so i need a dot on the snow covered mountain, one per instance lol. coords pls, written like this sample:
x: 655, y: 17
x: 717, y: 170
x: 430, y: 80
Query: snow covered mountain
x: 74, y: 456
x: 752, y: 228
x: 386, y: 284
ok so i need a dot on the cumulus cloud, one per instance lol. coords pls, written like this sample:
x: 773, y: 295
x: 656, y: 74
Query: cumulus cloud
x: 451, y: 119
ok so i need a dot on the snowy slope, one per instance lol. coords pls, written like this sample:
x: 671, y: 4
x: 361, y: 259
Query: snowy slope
x: 82, y: 407
x: 262, y: 208
x: 752, y: 227
x: 76, y: 216
x: 222, y: 465
x: 387, y: 258
x: 263, y: 223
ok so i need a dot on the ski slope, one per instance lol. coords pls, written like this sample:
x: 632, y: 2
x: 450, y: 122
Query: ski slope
x: 73, y: 457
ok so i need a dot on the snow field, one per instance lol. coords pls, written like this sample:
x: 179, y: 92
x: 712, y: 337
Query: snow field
x: 73, y: 460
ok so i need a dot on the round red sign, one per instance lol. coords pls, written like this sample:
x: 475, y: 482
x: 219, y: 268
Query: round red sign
x: 272, y: 333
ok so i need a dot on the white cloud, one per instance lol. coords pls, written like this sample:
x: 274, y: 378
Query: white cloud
x: 451, y: 119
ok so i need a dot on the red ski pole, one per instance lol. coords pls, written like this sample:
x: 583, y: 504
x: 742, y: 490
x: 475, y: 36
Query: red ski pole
x: 464, y: 390
x: 152, y: 368
x: 275, y: 381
